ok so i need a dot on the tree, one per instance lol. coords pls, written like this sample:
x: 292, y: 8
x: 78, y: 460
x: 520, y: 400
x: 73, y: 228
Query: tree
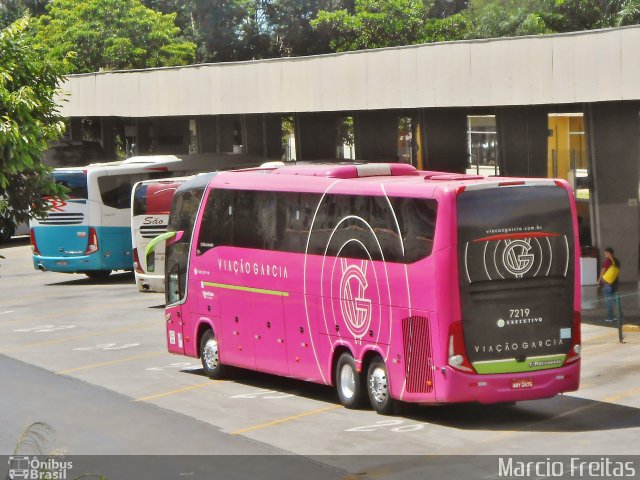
x: 183, y: 10
x: 29, y: 119
x: 230, y: 30
x: 12, y: 10
x: 375, y: 23
x: 505, y: 18
x: 290, y: 25
x: 453, y: 27
x: 629, y: 13
x: 113, y: 35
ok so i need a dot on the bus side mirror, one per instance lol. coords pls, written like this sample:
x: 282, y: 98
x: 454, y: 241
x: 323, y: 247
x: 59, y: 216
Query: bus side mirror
x: 175, y: 238
x: 151, y: 248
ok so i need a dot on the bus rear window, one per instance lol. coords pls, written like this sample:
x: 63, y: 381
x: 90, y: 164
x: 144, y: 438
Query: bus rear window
x: 76, y: 182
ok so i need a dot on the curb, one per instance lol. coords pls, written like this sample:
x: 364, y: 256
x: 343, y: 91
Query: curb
x: 631, y: 328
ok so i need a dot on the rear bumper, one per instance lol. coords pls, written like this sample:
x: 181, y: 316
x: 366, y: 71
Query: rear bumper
x: 456, y: 387
x: 68, y: 264
x: 150, y: 283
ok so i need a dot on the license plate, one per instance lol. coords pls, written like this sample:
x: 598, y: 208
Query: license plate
x: 520, y: 383
x: 61, y: 262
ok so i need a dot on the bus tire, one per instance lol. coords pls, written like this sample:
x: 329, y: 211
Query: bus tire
x: 378, y: 387
x: 209, y: 356
x: 6, y: 232
x: 98, y: 274
x: 348, y: 382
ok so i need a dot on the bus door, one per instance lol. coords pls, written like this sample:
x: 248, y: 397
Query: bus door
x: 269, y: 334
x: 177, y: 255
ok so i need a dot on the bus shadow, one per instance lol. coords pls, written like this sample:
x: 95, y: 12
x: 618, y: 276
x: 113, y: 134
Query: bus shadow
x: 561, y: 414
x: 15, y: 242
x: 275, y: 383
x: 113, y: 279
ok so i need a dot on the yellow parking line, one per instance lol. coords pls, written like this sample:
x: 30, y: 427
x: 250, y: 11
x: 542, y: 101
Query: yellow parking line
x: 622, y: 395
x: 286, y: 419
x: 76, y: 337
x: 177, y: 390
x: 30, y: 297
x: 112, y: 362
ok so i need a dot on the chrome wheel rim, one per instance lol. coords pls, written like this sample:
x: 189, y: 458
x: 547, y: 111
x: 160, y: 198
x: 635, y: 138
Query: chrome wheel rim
x: 378, y: 384
x: 347, y: 381
x: 210, y: 354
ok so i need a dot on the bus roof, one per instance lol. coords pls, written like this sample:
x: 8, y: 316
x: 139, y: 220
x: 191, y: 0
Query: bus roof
x: 397, y: 177
x: 197, y: 181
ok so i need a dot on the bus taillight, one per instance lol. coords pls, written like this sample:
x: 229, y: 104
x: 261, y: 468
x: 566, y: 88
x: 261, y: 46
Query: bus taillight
x: 92, y: 246
x: 34, y: 245
x: 136, y: 262
x: 457, y: 351
x: 576, y: 339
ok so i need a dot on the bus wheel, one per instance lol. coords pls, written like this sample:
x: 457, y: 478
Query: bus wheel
x: 98, y: 274
x: 378, y: 387
x: 348, y: 382
x: 209, y: 355
x: 6, y: 232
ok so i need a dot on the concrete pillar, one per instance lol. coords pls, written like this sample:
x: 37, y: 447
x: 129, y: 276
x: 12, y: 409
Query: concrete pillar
x: 207, y: 132
x: 254, y: 135
x: 108, y: 137
x: 316, y: 135
x: 445, y: 139
x: 273, y: 136
x: 613, y: 135
x: 143, y: 138
x: 230, y: 130
x: 377, y: 136
x: 75, y: 128
x: 522, y: 140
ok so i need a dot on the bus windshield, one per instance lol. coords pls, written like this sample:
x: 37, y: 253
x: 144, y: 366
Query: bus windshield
x: 184, y: 209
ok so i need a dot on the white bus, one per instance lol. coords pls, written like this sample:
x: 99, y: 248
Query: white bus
x: 150, y: 204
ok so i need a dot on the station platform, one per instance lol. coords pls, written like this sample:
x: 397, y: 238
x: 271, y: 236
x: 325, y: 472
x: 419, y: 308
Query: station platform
x: 594, y: 310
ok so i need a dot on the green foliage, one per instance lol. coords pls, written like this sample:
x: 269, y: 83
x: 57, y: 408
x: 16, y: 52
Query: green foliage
x: 228, y: 30
x: 182, y: 9
x: 454, y: 27
x: 112, y: 35
x: 12, y: 10
x: 628, y: 14
x: 375, y: 23
x: 289, y: 22
x: 505, y: 18
x: 28, y: 120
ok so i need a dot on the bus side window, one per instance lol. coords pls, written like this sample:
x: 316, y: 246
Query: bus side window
x: 351, y: 225
x: 385, y: 229
x: 216, y: 228
x: 254, y: 219
x: 115, y: 190
x: 417, y: 219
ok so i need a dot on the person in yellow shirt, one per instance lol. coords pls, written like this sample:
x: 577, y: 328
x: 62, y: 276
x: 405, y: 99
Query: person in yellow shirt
x: 609, y: 279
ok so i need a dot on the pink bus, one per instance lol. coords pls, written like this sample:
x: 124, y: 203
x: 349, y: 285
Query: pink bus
x: 387, y: 282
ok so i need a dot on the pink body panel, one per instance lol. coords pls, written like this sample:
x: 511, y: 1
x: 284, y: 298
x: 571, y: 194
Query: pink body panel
x: 288, y: 313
